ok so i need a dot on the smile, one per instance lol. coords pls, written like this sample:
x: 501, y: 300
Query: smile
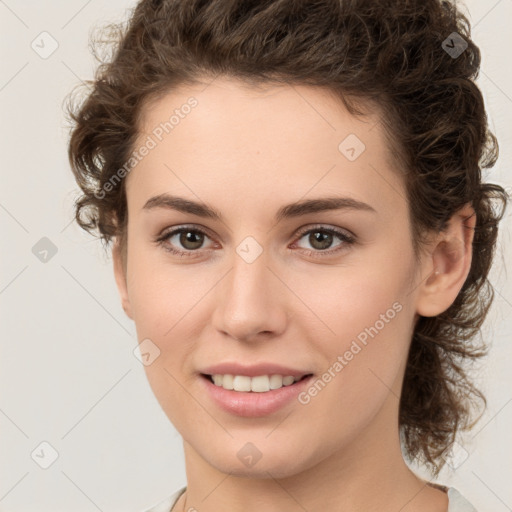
x: 249, y: 402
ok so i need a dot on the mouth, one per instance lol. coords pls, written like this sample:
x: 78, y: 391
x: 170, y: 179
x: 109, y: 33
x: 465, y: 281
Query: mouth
x: 258, y: 384
x: 259, y: 396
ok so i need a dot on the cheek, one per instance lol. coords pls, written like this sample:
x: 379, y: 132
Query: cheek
x: 171, y: 390
x: 162, y: 294
x: 168, y: 304
x: 364, y: 318
x: 353, y: 302
x: 364, y: 359
x: 369, y: 347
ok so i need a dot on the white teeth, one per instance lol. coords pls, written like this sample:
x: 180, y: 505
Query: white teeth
x: 276, y: 381
x: 225, y: 381
x: 217, y: 379
x: 258, y: 384
x: 241, y: 383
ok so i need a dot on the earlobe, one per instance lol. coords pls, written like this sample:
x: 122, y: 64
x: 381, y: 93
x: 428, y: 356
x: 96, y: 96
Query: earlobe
x: 448, y: 264
x: 120, y: 277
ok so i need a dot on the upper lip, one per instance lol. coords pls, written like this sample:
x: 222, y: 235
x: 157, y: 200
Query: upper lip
x: 253, y: 370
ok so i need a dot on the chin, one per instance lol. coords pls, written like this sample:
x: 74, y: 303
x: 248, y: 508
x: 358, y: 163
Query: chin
x: 258, y: 459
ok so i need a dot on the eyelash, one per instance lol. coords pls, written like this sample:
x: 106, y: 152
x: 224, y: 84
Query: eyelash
x: 344, y: 237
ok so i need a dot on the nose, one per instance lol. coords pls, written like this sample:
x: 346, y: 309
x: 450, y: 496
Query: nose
x: 250, y: 301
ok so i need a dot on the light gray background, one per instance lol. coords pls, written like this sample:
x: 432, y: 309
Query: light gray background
x: 68, y: 375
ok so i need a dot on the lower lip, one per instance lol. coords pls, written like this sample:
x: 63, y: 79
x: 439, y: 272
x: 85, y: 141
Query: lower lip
x: 253, y: 404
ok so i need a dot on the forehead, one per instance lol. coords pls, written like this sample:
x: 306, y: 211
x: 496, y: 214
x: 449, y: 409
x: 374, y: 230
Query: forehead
x: 246, y: 141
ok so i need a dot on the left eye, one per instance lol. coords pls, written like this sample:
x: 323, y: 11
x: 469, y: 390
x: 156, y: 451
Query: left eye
x: 321, y: 238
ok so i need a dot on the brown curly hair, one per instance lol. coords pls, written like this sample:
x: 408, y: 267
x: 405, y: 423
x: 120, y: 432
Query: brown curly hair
x: 389, y: 53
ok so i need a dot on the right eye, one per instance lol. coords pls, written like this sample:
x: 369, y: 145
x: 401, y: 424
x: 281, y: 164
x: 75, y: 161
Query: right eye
x: 189, y: 238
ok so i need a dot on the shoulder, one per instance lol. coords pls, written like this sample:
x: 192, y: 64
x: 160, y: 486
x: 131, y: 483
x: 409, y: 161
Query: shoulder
x: 457, y: 502
x: 166, y: 504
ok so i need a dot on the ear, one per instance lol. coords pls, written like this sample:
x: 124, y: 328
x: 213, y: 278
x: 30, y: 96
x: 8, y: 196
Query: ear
x: 119, y: 260
x: 447, y: 264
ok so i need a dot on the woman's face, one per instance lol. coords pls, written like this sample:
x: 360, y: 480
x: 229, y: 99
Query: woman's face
x: 268, y: 282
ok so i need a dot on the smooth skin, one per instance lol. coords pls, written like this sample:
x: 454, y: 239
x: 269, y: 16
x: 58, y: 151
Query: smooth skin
x: 247, y: 152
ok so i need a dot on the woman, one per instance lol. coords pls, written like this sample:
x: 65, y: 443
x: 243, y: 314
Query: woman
x: 302, y: 238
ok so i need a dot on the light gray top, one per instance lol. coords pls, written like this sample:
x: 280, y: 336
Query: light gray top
x: 457, y: 503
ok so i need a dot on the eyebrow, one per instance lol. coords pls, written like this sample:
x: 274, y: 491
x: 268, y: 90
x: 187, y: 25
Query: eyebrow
x: 286, y: 212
